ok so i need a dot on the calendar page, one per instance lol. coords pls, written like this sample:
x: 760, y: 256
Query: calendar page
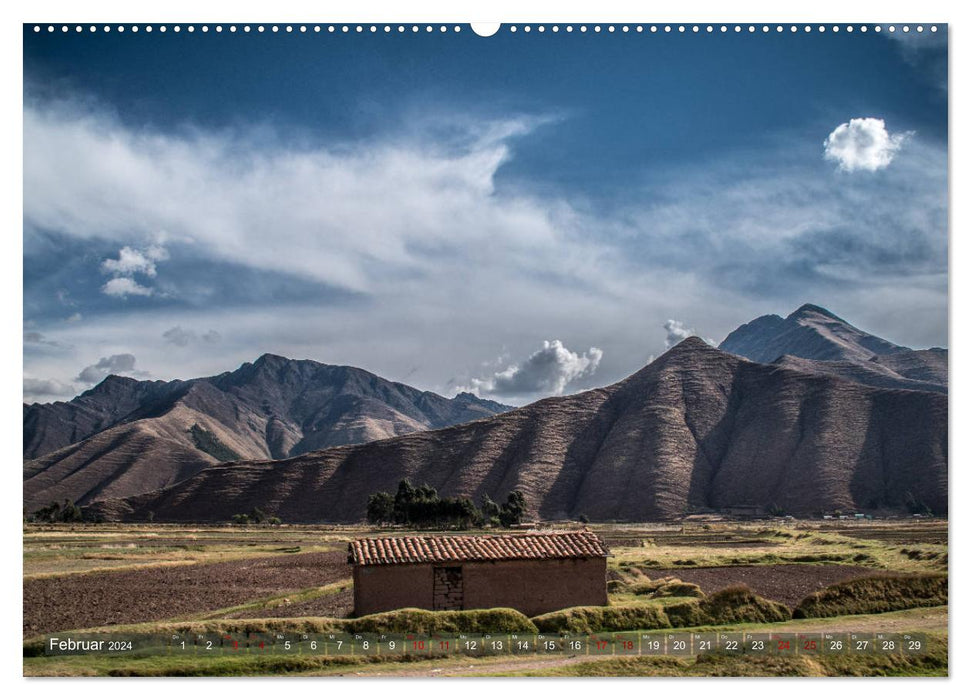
x: 525, y: 349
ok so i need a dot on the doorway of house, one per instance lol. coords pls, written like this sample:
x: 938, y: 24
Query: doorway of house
x: 447, y: 594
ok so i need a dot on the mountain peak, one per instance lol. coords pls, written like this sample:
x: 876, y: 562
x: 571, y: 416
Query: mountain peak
x: 807, y: 310
x: 690, y: 344
x: 268, y: 358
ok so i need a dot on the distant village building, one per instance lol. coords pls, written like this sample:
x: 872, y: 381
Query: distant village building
x: 530, y: 572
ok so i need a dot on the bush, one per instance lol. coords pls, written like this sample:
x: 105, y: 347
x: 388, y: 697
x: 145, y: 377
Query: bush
x: 443, y: 621
x: 58, y: 513
x: 591, y: 619
x: 733, y: 605
x: 668, y: 588
x: 875, y: 594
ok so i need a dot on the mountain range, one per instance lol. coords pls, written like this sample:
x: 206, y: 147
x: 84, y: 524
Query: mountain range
x: 813, y: 339
x: 808, y: 430
x: 125, y: 437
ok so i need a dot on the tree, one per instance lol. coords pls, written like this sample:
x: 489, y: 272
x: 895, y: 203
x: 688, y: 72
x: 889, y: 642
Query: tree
x: 56, y: 512
x: 513, y: 509
x: 257, y: 515
x: 490, y: 509
x: 380, y: 508
x: 403, y: 498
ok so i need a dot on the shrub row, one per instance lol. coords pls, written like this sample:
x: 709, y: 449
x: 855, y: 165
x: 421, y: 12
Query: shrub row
x: 667, y: 588
x: 730, y: 606
x: 614, y: 618
x: 443, y: 621
x: 875, y: 594
x: 733, y: 605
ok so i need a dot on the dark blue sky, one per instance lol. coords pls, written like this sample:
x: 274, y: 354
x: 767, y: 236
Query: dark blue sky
x: 437, y: 206
x: 630, y: 103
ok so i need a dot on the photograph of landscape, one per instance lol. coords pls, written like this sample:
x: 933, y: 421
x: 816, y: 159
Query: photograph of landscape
x: 401, y: 351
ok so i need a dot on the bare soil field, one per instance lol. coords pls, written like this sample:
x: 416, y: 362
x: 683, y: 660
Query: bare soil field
x: 141, y: 595
x: 785, y: 583
x: 335, y: 605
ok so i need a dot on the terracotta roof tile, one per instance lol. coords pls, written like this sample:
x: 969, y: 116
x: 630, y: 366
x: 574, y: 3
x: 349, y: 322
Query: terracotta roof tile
x: 457, y: 548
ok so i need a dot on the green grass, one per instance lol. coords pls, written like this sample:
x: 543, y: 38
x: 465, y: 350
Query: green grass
x: 875, y: 594
x: 443, y: 621
x: 244, y: 665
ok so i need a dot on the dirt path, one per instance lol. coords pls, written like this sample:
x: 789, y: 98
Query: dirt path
x: 158, y: 593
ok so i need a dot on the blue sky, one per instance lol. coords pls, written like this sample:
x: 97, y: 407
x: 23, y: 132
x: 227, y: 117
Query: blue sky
x: 520, y: 215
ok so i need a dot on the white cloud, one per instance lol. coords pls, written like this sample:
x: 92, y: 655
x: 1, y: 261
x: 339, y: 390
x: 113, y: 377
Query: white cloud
x: 863, y: 144
x: 676, y: 332
x: 348, y: 217
x: 125, y: 286
x: 438, y: 253
x: 46, y: 388
x: 547, y: 371
x: 131, y: 261
x: 123, y: 363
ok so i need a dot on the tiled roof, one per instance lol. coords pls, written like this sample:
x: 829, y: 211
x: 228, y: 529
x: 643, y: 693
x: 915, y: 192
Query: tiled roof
x: 458, y: 548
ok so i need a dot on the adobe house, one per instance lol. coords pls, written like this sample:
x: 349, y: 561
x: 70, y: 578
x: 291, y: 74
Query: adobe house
x: 533, y: 572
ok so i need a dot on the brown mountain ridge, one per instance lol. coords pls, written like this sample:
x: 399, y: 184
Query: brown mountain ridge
x: 126, y: 437
x: 696, y: 429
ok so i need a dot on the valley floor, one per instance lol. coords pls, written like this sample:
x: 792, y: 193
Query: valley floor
x: 153, y: 577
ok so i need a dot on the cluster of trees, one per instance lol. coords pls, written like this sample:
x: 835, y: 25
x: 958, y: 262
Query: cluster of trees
x: 56, y: 512
x: 256, y: 517
x: 421, y: 506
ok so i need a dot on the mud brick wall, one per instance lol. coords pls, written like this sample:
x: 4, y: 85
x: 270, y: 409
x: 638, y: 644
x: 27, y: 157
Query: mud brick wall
x: 380, y: 588
x: 535, y: 586
x: 530, y: 586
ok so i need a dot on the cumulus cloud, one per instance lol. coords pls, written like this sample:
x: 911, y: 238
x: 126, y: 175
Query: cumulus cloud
x: 131, y: 261
x: 125, y: 286
x: 123, y: 363
x: 676, y: 332
x: 177, y: 335
x: 863, y: 144
x: 547, y: 371
x: 45, y: 388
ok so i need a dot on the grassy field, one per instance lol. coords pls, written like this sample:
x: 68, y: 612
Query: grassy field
x: 300, y: 581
